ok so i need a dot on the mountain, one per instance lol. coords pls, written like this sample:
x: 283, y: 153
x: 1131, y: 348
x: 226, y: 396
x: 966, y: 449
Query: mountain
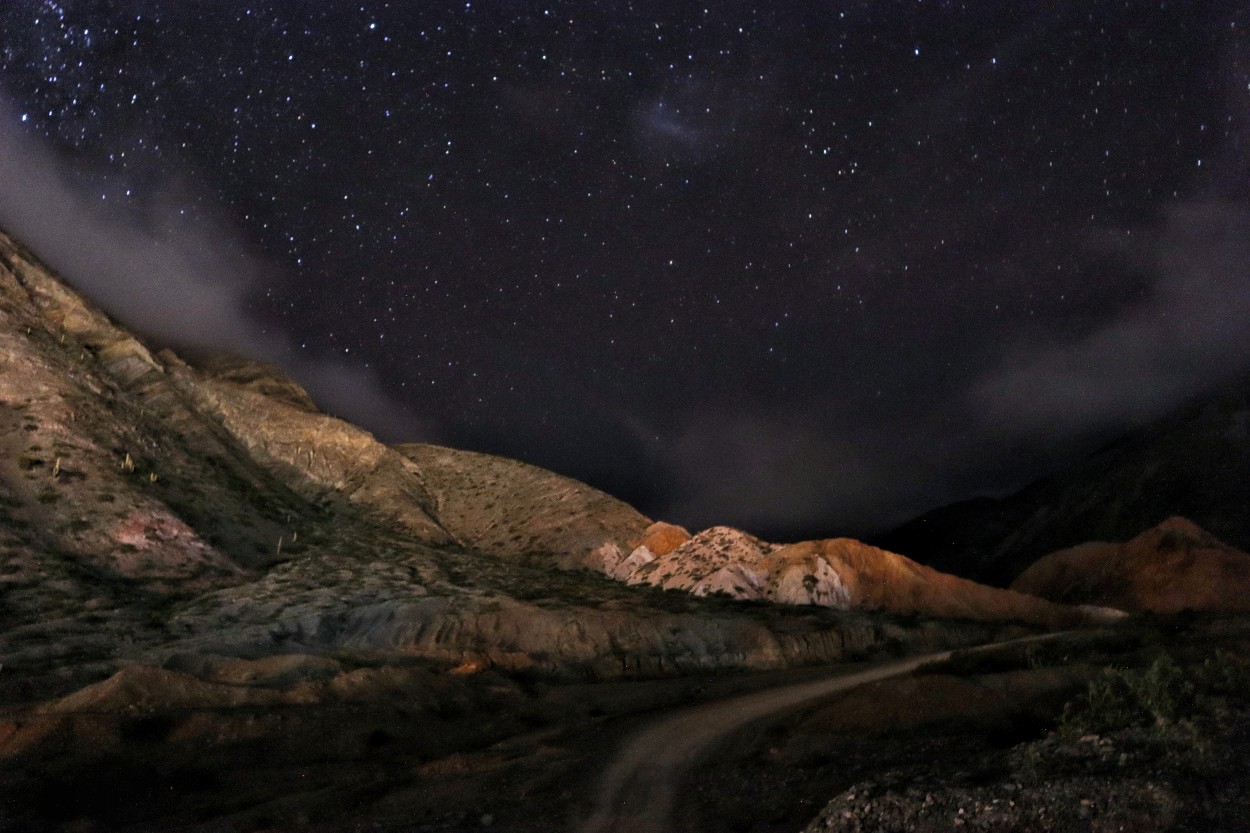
x: 1172, y: 567
x: 1194, y: 464
x: 151, y: 507
x: 129, y: 471
x: 218, y: 601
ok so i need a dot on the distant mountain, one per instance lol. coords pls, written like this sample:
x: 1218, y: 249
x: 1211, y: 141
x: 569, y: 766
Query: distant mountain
x: 1173, y: 567
x: 1194, y: 464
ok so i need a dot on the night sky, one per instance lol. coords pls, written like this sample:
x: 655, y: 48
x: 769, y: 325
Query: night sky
x: 807, y: 268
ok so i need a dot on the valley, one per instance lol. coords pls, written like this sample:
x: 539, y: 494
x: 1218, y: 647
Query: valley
x: 223, y: 609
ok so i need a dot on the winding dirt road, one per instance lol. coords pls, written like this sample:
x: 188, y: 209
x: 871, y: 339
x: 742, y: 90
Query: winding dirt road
x: 638, y: 789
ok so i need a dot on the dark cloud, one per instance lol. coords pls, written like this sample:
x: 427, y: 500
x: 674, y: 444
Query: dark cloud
x: 1190, y: 333
x: 777, y: 475
x: 788, y: 473
x: 181, y: 283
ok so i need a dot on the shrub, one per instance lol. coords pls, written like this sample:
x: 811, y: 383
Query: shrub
x: 1165, y: 716
x: 1118, y: 699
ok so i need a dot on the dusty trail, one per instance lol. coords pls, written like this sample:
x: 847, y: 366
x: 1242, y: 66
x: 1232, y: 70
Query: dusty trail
x: 638, y: 789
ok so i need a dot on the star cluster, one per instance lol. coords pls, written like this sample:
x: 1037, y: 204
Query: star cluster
x: 741, y: 262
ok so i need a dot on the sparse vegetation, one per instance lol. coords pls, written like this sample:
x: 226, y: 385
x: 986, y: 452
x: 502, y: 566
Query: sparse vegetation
x: 1162, y: 696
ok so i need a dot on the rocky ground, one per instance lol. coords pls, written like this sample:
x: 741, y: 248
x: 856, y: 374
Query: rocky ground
x: 1144, y: 730
x: 319, y: 744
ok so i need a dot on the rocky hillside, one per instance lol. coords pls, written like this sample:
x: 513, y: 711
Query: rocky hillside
x: 1172, y: 567
x: 839, y: 573
x: 154, y: 506
x: 510, y: 509
x: 1194, y: 464
x: 207, y: 584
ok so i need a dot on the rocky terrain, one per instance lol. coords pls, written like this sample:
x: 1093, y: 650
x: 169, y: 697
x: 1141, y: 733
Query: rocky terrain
x: 1154, y: 744
x: 1173, y: 567
x: 211, y: 507
x: 1139, y: 728
x: 197, y: 564
x: 840, y: 573
x: 223, y: 609
x: 1193, y: 464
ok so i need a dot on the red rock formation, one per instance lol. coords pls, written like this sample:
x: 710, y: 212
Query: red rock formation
x: 1172, y: 567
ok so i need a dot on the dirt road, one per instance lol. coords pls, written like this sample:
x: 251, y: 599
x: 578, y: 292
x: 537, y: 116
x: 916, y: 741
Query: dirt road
x: 638, y: 789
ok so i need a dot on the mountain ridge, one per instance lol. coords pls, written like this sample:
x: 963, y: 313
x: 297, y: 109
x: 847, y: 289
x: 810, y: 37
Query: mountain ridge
x: 1168, y: 568
x: 155, y: 506
x: 1190, y: 464
x: 255, y: 428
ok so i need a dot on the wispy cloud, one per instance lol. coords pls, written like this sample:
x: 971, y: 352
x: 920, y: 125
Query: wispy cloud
x: 1189, y: 334
x: 180, y: 281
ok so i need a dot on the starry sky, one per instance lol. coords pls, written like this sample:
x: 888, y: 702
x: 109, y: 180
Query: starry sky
x: 807, y: 268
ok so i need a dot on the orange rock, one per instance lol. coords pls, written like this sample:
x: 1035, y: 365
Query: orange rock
x: 662, y: 538
x: 839, y: 572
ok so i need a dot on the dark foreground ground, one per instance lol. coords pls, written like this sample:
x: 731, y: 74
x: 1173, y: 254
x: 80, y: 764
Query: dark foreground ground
x: 1142, y: 728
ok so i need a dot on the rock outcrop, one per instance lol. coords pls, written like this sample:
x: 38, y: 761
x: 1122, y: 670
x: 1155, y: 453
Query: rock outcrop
x: 840, y: 573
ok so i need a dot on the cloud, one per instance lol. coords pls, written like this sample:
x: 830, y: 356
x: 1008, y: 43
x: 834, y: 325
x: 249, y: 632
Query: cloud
x: 778, y: 475
x: 180, y: 281
x: 787, y: 473
x: 1188, y: 335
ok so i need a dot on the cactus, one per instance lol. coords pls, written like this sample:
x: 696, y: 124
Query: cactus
x: 128, y: 465
x: 56, y: 468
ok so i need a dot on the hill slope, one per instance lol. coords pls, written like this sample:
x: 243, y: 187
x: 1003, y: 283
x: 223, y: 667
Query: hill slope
x: 1172, y: 567
x: 156, y: 507
x: 1194, y: 465
x: 511, y: 509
